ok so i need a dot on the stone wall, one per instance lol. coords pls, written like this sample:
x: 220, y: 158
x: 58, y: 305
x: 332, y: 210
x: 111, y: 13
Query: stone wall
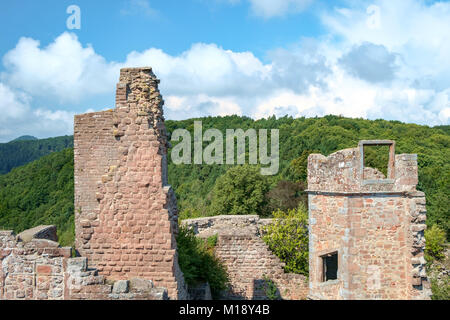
x: 39, y: 269
x: 31, y: 270
x: 125, y: 213
x: 375, y: 224
x: 247, y: 258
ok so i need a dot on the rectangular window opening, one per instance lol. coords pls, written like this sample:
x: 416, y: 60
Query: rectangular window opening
x: 330, y: 266
x: 376, y: 161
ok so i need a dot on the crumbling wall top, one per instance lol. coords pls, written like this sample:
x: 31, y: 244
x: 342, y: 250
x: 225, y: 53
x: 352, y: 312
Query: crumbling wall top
x: 344, y: 171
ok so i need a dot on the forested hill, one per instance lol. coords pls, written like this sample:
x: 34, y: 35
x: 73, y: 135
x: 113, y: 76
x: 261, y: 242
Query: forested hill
x: 42, y: 191
x: 26, y: 149
x: 24, y: 138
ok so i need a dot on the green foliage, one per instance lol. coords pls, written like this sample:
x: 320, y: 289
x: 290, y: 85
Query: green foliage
x: 287, y: 237
x: 241, y: 190
x: 440, y: 289
x: 285, y: 195
x: 435, y: 243
x: 212, y: 241
x: 271, y: 289
x: 23, y: 204
x: 377, y: 157
x: 38, y: 193
x: 198, y: 262
x: 302, y: 136
x: 26, y: 149
x: 298, y: 168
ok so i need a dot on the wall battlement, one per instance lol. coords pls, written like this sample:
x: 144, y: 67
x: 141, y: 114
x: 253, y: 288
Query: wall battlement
x: 366, y: 230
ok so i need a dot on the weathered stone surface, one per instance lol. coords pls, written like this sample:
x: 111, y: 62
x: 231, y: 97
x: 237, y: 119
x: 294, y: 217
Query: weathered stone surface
x: 40, y: 232
x: 126, y: 214
x: 77, y: 264
x: 121, y: 286
x: 138, y: 284
x: 371, y: 222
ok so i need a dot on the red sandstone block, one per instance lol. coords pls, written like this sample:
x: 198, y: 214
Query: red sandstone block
x: 45, y: 269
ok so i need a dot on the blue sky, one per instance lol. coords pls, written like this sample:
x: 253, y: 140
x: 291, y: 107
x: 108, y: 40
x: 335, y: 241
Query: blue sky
x: 370, y: 59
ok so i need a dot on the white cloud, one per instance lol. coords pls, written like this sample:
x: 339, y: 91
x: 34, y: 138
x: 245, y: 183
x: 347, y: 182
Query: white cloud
x: 392, y: 66
x: 204, y: 68
x: 18, y: 118
x: 64, y: 70
x: 371, y: 62
x: 416, y: 31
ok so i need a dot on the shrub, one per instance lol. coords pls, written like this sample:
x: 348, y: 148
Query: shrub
x: 287, y: 237
x: 435, y: 243
x: 440, y: 289
x: 241, y: 190
x: 198, y: 262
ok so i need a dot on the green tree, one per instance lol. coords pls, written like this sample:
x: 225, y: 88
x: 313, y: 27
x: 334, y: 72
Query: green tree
x: 435, y: 243
x: 287, y: 237
x: 40, y: 192
x: 241, y: 190
x: 285, y: 195
x: 298, y: 168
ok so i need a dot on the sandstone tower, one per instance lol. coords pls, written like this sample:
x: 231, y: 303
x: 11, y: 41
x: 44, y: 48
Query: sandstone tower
x: 125, y: 212
x: 366, y: 230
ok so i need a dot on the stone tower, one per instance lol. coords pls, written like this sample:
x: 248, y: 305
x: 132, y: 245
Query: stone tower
x: 366, y: 230
x: 125, y: 212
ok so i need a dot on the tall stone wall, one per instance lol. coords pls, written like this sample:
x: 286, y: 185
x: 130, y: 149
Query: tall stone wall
x: 125, y: 213
x: 247, y: 258
x: 373, y: 223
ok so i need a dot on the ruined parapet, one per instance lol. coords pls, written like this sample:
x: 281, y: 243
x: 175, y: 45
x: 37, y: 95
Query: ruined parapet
x: 226, y: 224
x: 247, y: 258
x: 366, y: 230
x: 33, y: 269
x: 125, y: 213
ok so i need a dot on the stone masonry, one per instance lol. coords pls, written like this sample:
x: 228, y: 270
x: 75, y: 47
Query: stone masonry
x: 125, y: 212
x: 247, y: 258
x: 39, y: 269
x: 373, y: 225
x: 366, y: 231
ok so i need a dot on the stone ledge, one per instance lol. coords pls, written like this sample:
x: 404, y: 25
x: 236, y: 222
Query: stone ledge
x: 40, y: 232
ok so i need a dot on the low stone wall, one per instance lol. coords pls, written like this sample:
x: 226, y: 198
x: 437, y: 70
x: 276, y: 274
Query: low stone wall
x: 39, y: 269
x: 227, y: 224
x: 248, y: 259
x: 31, y: 270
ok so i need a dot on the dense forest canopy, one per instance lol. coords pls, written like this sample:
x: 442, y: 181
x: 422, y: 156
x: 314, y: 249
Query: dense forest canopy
x: 24, y: 149
x: 41, y: 192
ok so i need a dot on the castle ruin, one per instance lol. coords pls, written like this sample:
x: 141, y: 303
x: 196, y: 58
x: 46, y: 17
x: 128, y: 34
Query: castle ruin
x: 126, y: 216
x: 366, y: 230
